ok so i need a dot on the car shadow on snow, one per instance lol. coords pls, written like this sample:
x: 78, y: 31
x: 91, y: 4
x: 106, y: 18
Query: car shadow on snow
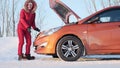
x: 110, y: 59
x: 98, y: 59
x: 79, y: 60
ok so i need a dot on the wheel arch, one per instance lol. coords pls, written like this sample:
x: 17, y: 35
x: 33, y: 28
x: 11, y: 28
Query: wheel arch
x: 74, y: 36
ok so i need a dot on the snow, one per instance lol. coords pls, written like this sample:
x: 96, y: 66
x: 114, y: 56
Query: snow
x: 8, y: 59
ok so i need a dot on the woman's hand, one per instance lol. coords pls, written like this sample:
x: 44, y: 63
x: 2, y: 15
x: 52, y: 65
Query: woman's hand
x: 29, y: 29
x: 37, y: 29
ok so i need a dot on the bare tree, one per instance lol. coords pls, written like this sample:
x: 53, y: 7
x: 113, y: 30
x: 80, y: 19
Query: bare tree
x: 9, y: 16
x: 109, y: 2
x: 8, y: 19
x: 90, y: 5
x: 3, y: 5
x: 0, y: 32
x: 13, y: 18
x: 94, y: 5
x: 116, y: 2
x: 104, y: 4
x: 0, y: 22
x: 40, y: 15
x: 87, y: 6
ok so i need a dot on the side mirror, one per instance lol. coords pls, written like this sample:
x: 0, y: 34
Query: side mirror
x: 96, y: 19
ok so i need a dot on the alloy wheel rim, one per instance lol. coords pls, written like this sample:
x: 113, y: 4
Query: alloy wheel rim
x: 70, y: 48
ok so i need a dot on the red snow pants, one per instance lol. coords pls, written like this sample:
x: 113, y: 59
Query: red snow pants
x: 24, y: 35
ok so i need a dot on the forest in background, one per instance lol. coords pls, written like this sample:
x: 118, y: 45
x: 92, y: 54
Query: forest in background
x: 9, y: 13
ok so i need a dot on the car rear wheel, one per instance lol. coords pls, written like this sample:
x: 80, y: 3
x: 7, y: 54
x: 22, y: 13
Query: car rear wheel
x: 70, y: 48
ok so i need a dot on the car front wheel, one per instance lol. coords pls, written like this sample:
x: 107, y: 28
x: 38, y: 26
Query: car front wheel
x: 69, y: 48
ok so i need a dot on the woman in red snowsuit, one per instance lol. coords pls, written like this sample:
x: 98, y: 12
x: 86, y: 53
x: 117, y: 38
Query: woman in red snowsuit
x: 27, y: 20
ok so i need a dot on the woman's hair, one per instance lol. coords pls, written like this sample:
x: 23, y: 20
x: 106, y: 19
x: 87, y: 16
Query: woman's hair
x: 34, y: 5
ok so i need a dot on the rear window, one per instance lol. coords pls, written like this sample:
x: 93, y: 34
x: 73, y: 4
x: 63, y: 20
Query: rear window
x: 61, y: 10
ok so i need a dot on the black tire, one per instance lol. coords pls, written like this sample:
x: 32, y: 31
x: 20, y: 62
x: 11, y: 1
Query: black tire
x: 55, y: 56
x: 70, y: 48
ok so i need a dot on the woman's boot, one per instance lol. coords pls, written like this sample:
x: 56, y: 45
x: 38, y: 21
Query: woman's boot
x: 20, y: 57
x: 29, y: 57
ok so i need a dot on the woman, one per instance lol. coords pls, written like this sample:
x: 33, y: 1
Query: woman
x: 27, y: 20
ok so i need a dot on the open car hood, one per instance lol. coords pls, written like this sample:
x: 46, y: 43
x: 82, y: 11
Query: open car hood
x: 62, y: 10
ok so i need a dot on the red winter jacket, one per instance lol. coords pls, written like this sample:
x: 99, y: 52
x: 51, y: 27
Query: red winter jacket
x: 26, y: 20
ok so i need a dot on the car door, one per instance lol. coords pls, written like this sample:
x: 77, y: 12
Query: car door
x: 115, y: 21
x: 104, y: 33
x: 99, y: 36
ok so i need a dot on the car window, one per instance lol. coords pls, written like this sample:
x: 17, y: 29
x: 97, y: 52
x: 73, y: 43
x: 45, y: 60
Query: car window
x: 112, y: 15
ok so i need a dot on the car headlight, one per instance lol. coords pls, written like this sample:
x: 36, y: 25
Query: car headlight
x: 51, y: 31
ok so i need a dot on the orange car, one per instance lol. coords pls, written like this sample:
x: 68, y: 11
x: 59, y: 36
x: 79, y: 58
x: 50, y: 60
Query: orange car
x: 96, y: 34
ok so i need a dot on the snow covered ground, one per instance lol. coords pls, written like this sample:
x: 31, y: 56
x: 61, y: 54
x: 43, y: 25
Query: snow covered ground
x: 8, y: 59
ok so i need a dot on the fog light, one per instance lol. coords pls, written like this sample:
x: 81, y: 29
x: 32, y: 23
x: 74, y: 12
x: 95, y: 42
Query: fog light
x: 44, y: 44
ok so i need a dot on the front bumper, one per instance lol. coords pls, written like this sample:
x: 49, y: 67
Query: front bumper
x: 44, y: 45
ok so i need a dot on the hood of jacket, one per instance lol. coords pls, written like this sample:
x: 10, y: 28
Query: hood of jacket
x: 33, y: 8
